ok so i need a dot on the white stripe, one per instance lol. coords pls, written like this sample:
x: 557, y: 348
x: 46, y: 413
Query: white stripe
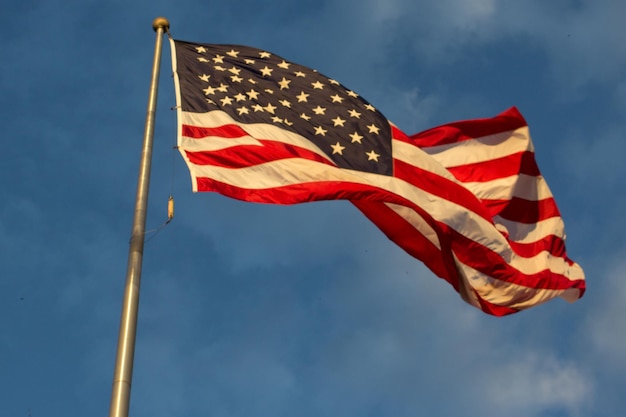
x: 522, y: 186
x: 482, y: 149
x: 509, y: 294
x: 543, y: 260
x: 216, y: 143
x: 530, y: 233
x: 296, y: 171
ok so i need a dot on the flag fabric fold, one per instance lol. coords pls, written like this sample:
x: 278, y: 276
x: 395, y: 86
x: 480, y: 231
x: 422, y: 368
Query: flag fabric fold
x: 466, y: 198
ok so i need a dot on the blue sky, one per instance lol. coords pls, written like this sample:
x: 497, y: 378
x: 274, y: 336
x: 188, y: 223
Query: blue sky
x: 255, y: 310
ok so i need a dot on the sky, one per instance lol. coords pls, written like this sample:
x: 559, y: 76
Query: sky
x: 307, y: 310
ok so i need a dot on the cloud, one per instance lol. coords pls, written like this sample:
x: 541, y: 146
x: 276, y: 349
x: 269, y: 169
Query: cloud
x: 531, y: 384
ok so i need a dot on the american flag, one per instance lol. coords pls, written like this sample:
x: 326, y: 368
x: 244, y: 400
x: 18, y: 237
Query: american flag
x: 467, y: 198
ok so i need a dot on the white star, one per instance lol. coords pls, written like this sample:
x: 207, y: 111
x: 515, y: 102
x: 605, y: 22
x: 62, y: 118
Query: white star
x: 232, y: 53
x: 209, y: 90
x: 284, y: 83
x: 287, y: 122
x: 319, y: 130
x: 204, y: 77
x: 299, y: 74
x: 333, y: 82
x: 222, y: 88
x: 253, y: 94
x: 265, y: 54
x: 283, y: 65
x: 352, y: 94
x: 356, y: 137
x: 337, y: 148
x: 305, y: 117
x: 201, y: 59
x: 370, y: 107
x: 235, y: 70
x: 240, y: 97
x: 285, y: 103
x: 257, y: 107
x: 336, y: 98
x: 373, y: 129
x: 252, y: 81
x: 236, y: 79
x: 354, y: 113
x: 243, y: 110
x: 269, y: 108
x: 319, y: 110
x: 226, y: 101
x: 277, y: 119
x: 219, y: 68
x: 338, y: 121
x: 317, y: 85
x: 219, y: 59
x: 266, y: 71
x: 249, y: 61
x: 302, y: 97
x: 372, y: 156
x: 201, y: 49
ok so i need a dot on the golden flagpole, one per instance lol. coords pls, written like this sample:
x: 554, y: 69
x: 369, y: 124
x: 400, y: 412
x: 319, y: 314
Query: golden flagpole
x: 120, y: 397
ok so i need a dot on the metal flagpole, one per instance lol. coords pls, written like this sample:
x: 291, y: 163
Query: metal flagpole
x: 120, y: 397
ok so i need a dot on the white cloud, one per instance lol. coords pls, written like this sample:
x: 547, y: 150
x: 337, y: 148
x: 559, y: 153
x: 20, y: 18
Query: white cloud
x: 532, y: 383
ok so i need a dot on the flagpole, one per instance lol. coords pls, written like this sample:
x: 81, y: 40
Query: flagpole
x: 120, y: 397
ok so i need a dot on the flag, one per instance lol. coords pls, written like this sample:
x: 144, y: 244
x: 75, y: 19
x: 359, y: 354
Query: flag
x: 466, y: 198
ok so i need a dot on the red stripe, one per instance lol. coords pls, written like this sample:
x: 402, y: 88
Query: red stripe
x: 528, y: 212
x: 553, y: 244
x: 507, y: 121
x: 250, y: 155
x: 522, y: 211
x: 301, y: 192
x: 515, y: 164
x: 225, y: 131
